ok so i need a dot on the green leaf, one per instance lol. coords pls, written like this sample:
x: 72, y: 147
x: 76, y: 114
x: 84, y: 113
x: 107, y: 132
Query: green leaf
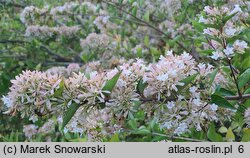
x: 246, y: 135
x: 213, y: 135
x: 206, y: 52
x: 247, y: 91
x: 140, y: 115
x: 69, y: 114
x: 59, y: 91
x: 115, y: 138
x: 79, y: 140
x: 133, y: 124
x: 221, y: 102
x: 147, y: 41
x: 226, y: 18
x: 198, y: 26
x: 154, y: 51
x: 110, y: 84
x: 134, y: 11
x: 223, y: 129
x: 141, y: 86
x: 187, y: 81
x: 230, y: 135
x: 153, y: 123
x: 223, y: 92
x: 212, y: 75
x: 244, y: 78
x: 146, y: 16
x: 143, y: 131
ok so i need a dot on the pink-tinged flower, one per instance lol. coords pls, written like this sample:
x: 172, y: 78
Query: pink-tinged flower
x: 166, y: 74
x: 211, y: 31
x: 95, y: 41
x: 247, y: 117
x: 112, y: 73
x: 240, y: 46
x: 48, y: 127
x: 211, y: 11
x: 215, y: 44
x: 205, y: 69
x: 30, y: 130
x: 162, y: 77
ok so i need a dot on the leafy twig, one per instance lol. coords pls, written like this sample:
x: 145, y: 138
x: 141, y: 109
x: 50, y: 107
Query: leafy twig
x: 191, y: 52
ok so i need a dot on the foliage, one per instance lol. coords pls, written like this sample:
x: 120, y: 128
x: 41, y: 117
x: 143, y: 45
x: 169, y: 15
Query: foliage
x: 124, y: 70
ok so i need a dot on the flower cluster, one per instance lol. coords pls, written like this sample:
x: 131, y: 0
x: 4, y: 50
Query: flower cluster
x: 32, y: 130
x: 221, y: 38
x: 31, y: 11
x: 45, y: 31
x: 179, y: 92
x: 41, y: 93
x: 95, y: 41
x: 164, y: 77
x: 104, y: 24
x: 32, y: 16
x: 32, y: 94
x: 29, y: 14
x: 64, y: 71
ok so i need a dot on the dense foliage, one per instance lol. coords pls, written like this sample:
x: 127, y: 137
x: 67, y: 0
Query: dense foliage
x: 125, y: 70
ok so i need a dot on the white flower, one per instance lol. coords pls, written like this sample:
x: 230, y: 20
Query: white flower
x: 60, y: 119
x: 167, y: 125
x: 162, y: 77
x: 203, y: 20
x: 236, y: 9
x: 105, y: 19
x: 230, y: 31
x: 7, y: 101
x: 33, y: 118
x: 192, y: 89
x: 73, y: 124
x: 214, y: 107
x: 196, y: 102
x: 216, y: 55
x: 240, y: 45
x: 229, y: 51
x: 135, y: 4
x: 65, y: 130
x: 181, y: 128
x: 170, y: 105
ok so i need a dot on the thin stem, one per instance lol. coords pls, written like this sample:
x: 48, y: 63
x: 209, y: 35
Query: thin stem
x: 246, y: 96
x: 177, y: 137
x: 234, y: 77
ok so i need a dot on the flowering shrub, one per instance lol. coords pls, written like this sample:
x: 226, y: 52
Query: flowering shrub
x: 126, y: 70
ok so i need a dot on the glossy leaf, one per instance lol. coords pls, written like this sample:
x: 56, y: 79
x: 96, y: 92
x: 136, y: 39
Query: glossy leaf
x: 213, y: 135
x: 69, y: 114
